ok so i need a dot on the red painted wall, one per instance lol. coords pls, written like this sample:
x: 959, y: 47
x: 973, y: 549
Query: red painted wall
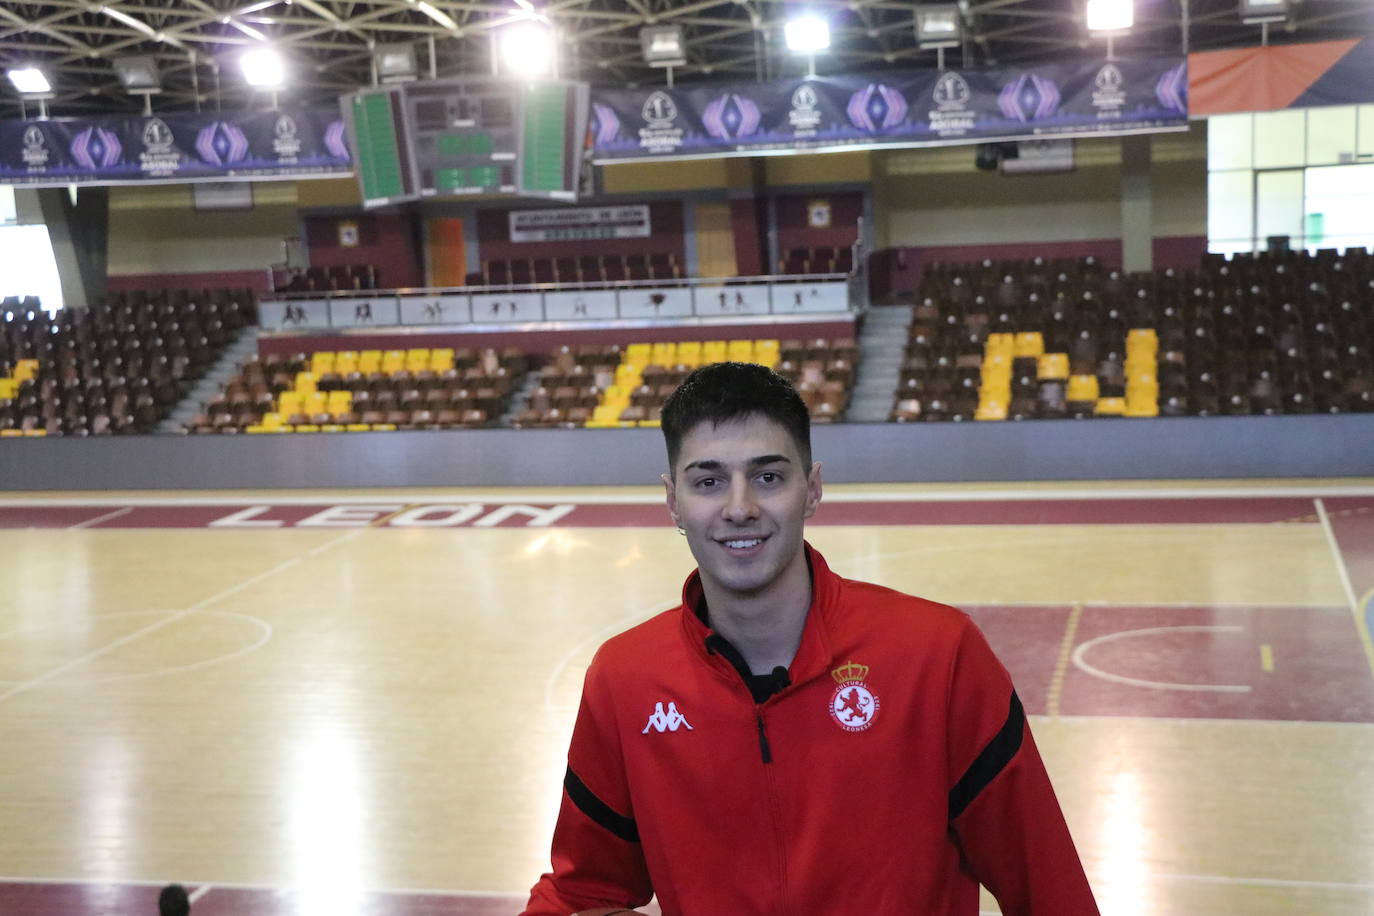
x: 385, y: 240
x: 225, y: 279
x: 749, y: 225
x: 795, y: 232
x: 666, y: 234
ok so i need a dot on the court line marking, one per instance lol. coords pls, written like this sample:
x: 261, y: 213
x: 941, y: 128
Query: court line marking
x: 199, y: 892
x: 264, y: 628
x: 1361, y: 626
x: 102, y: 518
x: 25, y: 686
x: 596, y: 638
x: 1081, y: 652
x: 1061, y: 664
x: 894, y: 495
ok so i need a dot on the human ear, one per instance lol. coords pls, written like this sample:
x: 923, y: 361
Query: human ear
x: 813, y: 489
x: 670, y: 492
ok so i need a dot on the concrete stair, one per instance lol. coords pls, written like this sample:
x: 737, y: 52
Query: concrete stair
x: 203, y: 391
x: 882, y: 344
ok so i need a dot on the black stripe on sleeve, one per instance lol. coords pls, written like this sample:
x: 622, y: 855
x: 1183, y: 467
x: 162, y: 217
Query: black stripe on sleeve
x: 993, y: 759
x: 596, y: 809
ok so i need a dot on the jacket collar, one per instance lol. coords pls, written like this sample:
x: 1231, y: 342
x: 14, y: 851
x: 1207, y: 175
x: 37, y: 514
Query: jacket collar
x: 814, y: 656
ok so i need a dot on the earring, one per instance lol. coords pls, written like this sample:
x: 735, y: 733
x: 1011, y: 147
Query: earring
x: 681, y: 530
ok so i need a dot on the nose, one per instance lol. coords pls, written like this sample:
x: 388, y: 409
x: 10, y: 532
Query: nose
x: 741, y: 507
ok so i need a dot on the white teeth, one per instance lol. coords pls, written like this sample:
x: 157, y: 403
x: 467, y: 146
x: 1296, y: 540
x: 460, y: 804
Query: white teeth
x: 743, y: 545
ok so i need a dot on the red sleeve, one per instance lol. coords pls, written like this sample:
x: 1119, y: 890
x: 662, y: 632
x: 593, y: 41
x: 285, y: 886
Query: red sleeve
x: 597, y: 859
x: 1002, y: 807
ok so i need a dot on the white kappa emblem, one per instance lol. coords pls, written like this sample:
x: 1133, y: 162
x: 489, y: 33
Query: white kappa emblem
x: 666, y: 721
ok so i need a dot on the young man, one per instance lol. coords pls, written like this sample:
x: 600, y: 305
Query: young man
x: 788, y: 741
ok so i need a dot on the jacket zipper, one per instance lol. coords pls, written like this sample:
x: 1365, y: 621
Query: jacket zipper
x: 765, y: 751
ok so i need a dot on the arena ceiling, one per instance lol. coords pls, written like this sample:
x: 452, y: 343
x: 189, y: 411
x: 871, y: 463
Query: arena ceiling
x: 328, y: 42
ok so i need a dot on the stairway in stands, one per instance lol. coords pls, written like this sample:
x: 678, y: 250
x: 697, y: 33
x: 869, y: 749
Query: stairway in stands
x: 203, y: 391
x: 882, y: 345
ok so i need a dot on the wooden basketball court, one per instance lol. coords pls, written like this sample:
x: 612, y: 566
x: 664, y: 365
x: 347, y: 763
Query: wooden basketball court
x: 311, y: 703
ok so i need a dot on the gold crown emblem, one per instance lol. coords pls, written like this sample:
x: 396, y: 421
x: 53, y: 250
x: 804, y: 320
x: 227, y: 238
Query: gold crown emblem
x: 849, y: 672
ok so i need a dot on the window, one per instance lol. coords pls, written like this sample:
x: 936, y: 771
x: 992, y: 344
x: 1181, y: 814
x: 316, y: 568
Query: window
x: 27, y: 265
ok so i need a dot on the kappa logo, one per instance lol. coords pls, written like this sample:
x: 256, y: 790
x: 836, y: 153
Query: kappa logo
x: 669, y: 721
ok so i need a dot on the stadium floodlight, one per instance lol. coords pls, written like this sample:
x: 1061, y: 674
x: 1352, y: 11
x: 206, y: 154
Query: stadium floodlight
x: 263, y: 68
x: 938, y: 25
x: 396, y: 63
x: 1110, y: 15
x: 29, y: 80
x: 1255, y: 12
x: 527, y: 49
x: 138, y: 73
x: 807, y: 34
x: 663, y: 45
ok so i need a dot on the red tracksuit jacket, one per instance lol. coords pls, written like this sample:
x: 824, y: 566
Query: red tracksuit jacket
x: 894, y: 774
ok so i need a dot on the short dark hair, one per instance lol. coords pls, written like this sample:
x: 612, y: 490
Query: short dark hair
x: 173, y: 901
x: 722, y: 392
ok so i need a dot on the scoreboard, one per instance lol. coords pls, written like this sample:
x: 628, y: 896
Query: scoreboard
x: 457, y: 137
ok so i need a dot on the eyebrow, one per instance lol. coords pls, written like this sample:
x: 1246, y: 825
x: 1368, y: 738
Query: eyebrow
x: 711, y: 464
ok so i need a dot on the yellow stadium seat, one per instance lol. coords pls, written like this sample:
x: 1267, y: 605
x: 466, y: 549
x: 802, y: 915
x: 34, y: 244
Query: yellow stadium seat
x: 1147, y: 335
x: 322, y: 361
x: 1001, y: 343
x: 370, y: 361
x: 713, y: 351
x: 393, y: 361
x: 689, y: 353
x: 653, y: 423
x: 357, y: 427
x: 1082, y: 388
x: 383, y: 427
x: 336, y: 398
x: 1143, y: 377
x: 627, y: 375
x: 307, y: 428
x: 637, y: 354
x: 305, y: 383
x: 35, y: 433
x: 1110, y: 407
x: 289, y: 402
x: 997, y: 362
x: 740, y: 351
x: 332, y: 428
x: 315, y: 403
x: 1053, y: 366
x: 346, y: 361
x: 273, y: 420
x: 417, y: 360
x: 25, y: 369
x: 8, y: 388
x: 1141, y: 409
x: 607, y: 413
x: 255, y: 429
x: 11, y: 433
x: 1028, y: 343
x: 441, y: 360
x: 663, y: 354
x: 991, y: 410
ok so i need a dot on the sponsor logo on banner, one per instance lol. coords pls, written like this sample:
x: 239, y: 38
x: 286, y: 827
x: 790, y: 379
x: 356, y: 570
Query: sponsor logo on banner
x: 951, y: 96
x: 159, y: 156
x: 730, y: 116
x: 221, y: 143
x: 876, y: 107
x: 805, y: 115
x: 660, y: 135
x: 35, y: 149
x: 1109, y: 96
x: 1029, y: 98
x: 285, y: 143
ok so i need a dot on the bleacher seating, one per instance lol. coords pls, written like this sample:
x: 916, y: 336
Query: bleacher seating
x: 1271, y: 333
x: 376, y: 390
x: 117, y: 367
x: 610, y: 387
x: 819, y: 260
x: 341, y: 278
x: 605, y: 268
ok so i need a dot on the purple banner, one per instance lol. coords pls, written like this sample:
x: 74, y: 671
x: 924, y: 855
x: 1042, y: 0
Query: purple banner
x: 1083, y: 98
x: 207, y: 146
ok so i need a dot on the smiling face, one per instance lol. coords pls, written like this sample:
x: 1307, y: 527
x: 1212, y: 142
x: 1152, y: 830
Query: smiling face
x: 741, y: 493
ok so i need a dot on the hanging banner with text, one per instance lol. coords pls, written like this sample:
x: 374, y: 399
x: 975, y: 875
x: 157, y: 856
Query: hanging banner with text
x: 578, y: 223
x: 913, y: 108
x: 184, y: 146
